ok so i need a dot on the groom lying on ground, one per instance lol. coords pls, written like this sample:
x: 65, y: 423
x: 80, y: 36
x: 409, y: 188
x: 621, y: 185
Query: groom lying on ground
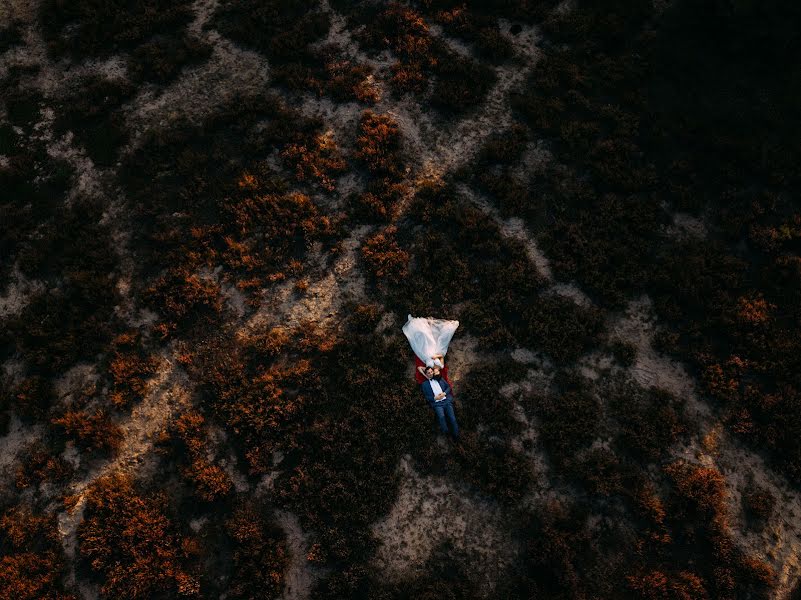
x: 440, y: 398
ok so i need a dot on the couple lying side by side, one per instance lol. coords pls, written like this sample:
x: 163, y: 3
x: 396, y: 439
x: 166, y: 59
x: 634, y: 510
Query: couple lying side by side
x: 429, y: 339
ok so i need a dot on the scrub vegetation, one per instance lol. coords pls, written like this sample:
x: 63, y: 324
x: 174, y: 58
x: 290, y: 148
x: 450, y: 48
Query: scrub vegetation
x: 216, y: 217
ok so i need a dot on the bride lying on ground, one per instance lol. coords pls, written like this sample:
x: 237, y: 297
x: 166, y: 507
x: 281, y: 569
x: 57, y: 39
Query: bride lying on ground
x: 429, y: 339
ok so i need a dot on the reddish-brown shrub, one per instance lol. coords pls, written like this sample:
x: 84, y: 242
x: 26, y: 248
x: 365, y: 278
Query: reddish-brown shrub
x: 209, y: 480
x: 759, y: 502
x: 128, y: 539
x: 378, y: 144
x: 754, y: 310
x: 180, y: 294
x: 30, y: 399
x: 380, y: 198
x: 263, y: 405
x: 91, y: 431
x: 658, y: 585
x: 39, y: 464
x: 651, y: 507
x: 31, y: 557
x: 270, y: 231
x: 317, y: 158
x: 130, y: 368
x: 346, y: 80
x: 408, y: 76
x: 703, y: 488
x: 757, y: 571
x: 474, y: 26
x: 271, y: 343
x: 723, y: 381
x: 404, y: 31
x: 385, y: 259
x: 260, y: 558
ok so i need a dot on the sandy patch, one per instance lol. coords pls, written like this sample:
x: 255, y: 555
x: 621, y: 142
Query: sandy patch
x: 300, y: 576
x: 430, y: 511
x: 513, y: 228
x: 637, y: 326
x: 230, y: 72
x: 18, y: 293
x: 19, y: 436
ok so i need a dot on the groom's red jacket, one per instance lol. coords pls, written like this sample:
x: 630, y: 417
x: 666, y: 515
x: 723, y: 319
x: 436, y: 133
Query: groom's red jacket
x: 420, y: 378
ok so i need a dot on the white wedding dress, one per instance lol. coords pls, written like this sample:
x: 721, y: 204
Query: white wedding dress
x: 429, y: 336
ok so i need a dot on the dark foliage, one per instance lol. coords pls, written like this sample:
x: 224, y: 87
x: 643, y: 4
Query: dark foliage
x: 640, y: 129
x: 461, y: 83
x: 759, y: 502
x: 10, y: 35
x: 91, y: 114
x: 86, y: 27
x: 282, y: 30
x: 161, y: 58
x: 651, y: 420
x: 561, y: 328
x: 458, y: 257
x: 624, y: 353
x: 568, y: 422
x: 72, y: 317
x: 558, y: 549
x: 491, y: 408
x: 481, y: 29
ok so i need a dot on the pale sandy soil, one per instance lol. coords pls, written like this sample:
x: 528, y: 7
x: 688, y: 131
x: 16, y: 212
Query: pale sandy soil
x: 301, y: 575
x: 17, y: 294
x: 432, y: 510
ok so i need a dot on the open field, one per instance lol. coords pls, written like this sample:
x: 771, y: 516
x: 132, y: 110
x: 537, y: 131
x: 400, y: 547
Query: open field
x: 215, y: 216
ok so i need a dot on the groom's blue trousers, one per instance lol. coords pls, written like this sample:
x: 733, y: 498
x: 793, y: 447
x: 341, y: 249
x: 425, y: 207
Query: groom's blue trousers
x: 443, y: 409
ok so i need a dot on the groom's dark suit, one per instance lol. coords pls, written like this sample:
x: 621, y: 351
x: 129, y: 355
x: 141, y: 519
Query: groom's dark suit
x: 443, y: 408
x: 428, y: 392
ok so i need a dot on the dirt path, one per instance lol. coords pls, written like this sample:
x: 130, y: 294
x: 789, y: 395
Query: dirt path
x: 779, y: 544
x: 168, y: 395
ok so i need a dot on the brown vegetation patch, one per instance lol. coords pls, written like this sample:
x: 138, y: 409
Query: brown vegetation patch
x: 131, y: 543
x: 31, y: 558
